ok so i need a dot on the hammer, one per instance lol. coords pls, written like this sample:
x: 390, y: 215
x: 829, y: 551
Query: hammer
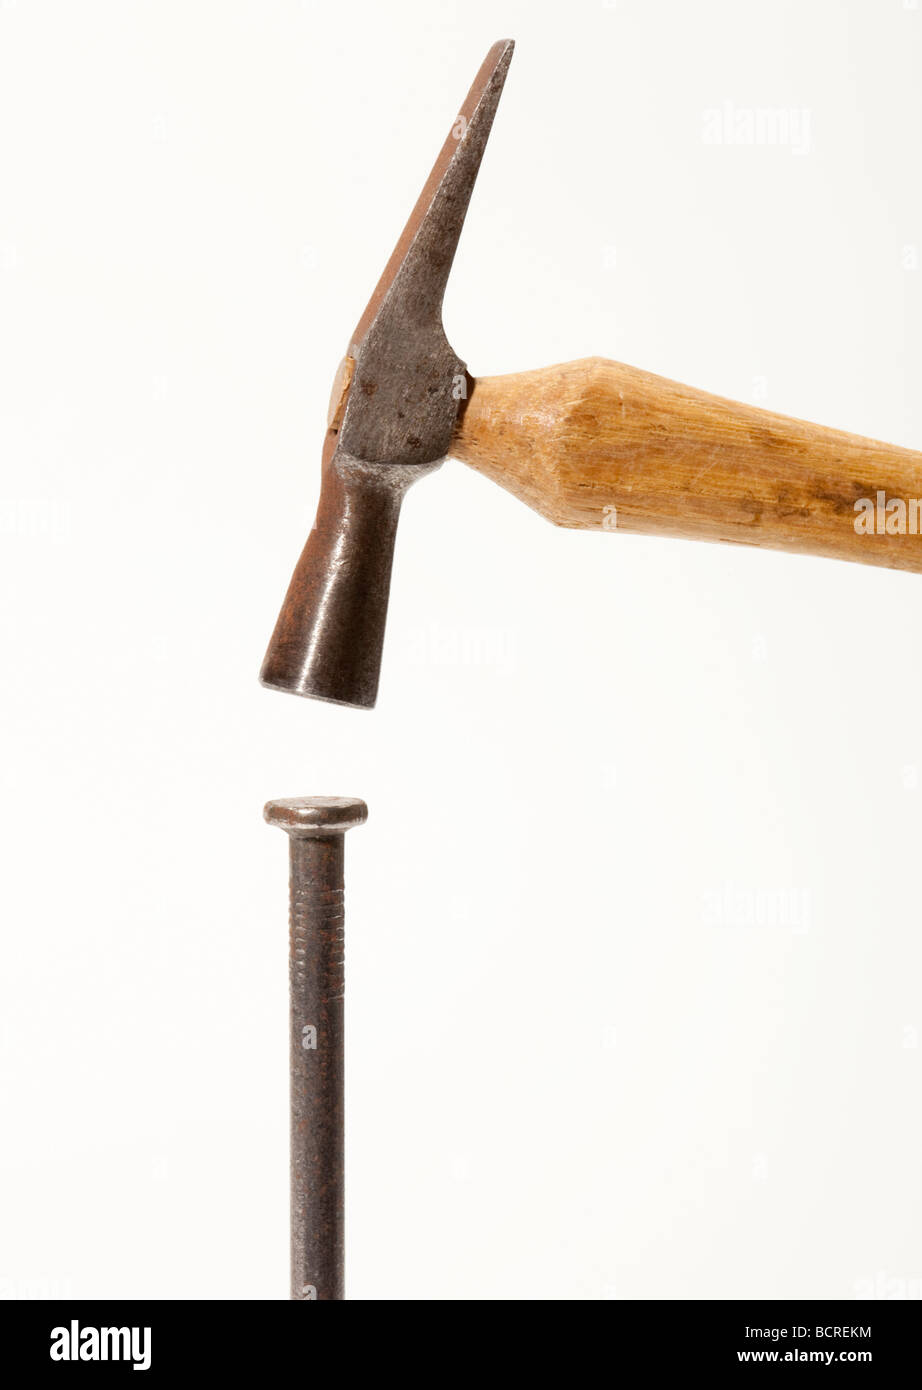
x: 590, y: 444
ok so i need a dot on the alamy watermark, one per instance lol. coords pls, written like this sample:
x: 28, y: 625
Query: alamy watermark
x: 888, y: 1287
x: 76, y: 1343
x: 34, y: 517
x: 734, y: 906
x: 438, y: 645
x: 883, y: 516
x: 784, y: 127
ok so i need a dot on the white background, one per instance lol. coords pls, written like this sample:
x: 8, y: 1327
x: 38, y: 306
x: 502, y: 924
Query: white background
x: 585, y: 1058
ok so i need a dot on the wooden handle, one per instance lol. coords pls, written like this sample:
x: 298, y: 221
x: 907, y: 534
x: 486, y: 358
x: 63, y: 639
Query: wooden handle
x: 597, y: 445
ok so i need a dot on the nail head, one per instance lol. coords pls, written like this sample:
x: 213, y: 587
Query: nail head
x: 316, y: 815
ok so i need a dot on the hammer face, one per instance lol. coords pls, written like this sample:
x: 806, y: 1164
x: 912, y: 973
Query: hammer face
x: 328, y: 639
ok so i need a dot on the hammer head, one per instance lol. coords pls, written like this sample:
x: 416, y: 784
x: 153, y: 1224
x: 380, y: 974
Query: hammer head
x: 392, y: 416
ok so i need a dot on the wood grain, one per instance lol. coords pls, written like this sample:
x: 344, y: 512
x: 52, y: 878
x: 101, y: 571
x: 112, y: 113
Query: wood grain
x: 598, y: 445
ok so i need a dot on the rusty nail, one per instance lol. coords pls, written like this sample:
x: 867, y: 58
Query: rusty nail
x: 316, y: 827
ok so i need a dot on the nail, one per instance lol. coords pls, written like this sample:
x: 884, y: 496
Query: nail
x: 316, y: 827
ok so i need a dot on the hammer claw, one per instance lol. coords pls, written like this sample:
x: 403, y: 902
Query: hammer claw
x: 403, y: 403
x: 423, y: 256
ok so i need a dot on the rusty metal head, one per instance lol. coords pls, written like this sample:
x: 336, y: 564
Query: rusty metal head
x: 392, y: 416
x: 316, y: 817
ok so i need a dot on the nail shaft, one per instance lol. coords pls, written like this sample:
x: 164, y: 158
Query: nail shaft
x: 316, y: 829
